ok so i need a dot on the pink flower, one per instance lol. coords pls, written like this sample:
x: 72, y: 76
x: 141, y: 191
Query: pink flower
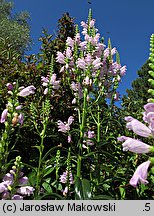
x: 69, y: 139
x: 117, y: 96
x: 96, y: 38
x: 97, y: 63
x: 77, y: 38
x: 138, y: 127
x: 83, y: 45
x: 68, y: 52
x: 3, y: 187
x: 60, y: 58
x: 54, y: 82
x: 74, y: 86
x: 87, y: 81
x: 9, y: 86
x: 84, y: 25
x: 92, y: 23
x: 123, y: 70
x: 74, y: 101
x: 65, y: 127
x: 134, y: 145
x: 88, y: 59
x: 149, y: 107
x: 45, y: 80
x: 81, y: 63
x: 25, y: 190
x: 17, y: 197
x: 19, y: 107
x: 65, y: 191
x: 140, y: 174
x: 70, y: 120
x: 23, y: 180
x: 8, y: 178
x: 113, y: 51
x: 65, y: 177
x: 4, y: 116
x: 70, y: 42
x: 27, y: 91
x: 21, y: 119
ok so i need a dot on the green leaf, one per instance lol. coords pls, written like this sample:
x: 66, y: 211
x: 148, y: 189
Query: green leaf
x: 78, y: 189
x: 103, y: 197
x: 48, y: 170
x: 82, y: 189
x: 47, y: 187
x: 86, y: 189
x: 122, y: 192
x: 51, y: 196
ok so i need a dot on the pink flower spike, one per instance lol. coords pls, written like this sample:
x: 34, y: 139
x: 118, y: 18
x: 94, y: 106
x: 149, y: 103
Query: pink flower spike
x: 135, y: 146
x: 140, y: 174
x: 27, y: 91
x: 4, y: 116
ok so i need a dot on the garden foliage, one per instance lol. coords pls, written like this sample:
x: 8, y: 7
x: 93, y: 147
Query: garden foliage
x: 60, y: 122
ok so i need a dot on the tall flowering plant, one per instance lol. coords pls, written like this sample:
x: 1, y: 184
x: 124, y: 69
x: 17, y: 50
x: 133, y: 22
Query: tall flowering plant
x: 93, y: 72
x: 12, y: 117
x: 143, y: 130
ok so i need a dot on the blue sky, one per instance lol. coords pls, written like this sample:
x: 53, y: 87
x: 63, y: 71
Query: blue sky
x: 129, y: 24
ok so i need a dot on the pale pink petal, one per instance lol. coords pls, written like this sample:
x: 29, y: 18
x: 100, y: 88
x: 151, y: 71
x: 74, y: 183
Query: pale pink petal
x: 139, y: 128
x: 135, y: 146
x: 140, y: 174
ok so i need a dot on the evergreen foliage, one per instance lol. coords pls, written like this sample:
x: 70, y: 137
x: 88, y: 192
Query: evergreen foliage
x: 14, y: 30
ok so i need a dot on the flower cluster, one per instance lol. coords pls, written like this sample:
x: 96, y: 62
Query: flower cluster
x: 15, y: 185
x: 91, y: 61
x: 63, y: 126
x: 137, y: 146
x: 26, y: 91
x: 52, y: 81
x: 13, y: 107
x: 88, y: 138
x: 66, y: 178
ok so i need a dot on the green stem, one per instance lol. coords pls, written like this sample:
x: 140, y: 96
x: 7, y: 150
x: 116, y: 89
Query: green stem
x: 82, y: 129
x: 38, y: 177
x: 79, y: 160
x: 98, y: 145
